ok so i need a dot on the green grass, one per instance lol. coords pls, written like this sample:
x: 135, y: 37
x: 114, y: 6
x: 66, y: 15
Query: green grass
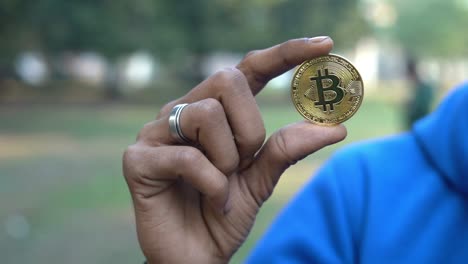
x: 60, y: 167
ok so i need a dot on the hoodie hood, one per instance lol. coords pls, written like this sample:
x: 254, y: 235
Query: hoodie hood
x: 443, y: 136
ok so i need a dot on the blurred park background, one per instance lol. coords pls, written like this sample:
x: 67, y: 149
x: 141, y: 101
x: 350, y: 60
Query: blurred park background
x: 78, y: 79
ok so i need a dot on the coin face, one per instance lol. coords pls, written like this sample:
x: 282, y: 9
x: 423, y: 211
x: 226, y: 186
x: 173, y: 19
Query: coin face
x: 327, y: 90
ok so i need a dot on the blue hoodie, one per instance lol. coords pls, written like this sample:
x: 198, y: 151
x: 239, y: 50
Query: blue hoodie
x: 402, y: 199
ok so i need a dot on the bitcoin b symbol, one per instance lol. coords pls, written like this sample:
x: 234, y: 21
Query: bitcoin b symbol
x: 333, y: 87
x: 327, y: 90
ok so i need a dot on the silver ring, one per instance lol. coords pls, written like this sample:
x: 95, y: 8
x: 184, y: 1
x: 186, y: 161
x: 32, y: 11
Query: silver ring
x: 174, y: 124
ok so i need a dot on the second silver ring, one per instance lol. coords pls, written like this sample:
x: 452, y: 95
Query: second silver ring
x: 174, y: 124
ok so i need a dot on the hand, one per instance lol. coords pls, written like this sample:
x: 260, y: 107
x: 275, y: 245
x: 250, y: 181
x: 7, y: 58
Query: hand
x: 196, y: 203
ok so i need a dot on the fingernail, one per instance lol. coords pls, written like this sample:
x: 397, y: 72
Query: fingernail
x: 318, y: 39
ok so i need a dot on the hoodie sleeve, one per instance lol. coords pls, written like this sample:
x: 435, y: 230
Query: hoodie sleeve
x: 321, y: 224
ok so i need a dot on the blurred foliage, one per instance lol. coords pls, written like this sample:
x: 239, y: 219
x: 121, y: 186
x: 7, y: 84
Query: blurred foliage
x: 179, y: 33
x: 173, y: 30
x: 170, y: 28
x: 432, y: 27
x: 53, y: 26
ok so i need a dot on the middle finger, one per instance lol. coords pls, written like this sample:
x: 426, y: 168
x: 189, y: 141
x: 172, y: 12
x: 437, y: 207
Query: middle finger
x: 230, y: 87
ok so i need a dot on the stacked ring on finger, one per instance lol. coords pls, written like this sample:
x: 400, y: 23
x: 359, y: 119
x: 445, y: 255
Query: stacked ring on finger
x: 174, y: 124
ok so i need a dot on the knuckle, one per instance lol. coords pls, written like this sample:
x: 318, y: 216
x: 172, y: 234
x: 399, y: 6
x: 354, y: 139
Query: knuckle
x: 209, y: 106
x: 145, y: 131
x: 189, y: 156
x: 229, y: 78
x: 131, y: 160
x: 230, y: 165
x: 254, y: 139
x: 209, y: 111
x: 232, y: 83
x: 281, y: 146
x: 250, y: 54
x: 220, y: 187
x: 249, y: 58
x: 251, y: 66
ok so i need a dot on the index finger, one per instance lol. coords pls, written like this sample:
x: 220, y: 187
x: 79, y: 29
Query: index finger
x: 261, y: 66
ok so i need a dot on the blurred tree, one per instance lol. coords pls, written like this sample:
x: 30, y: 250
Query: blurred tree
x: 181, y: 33
x: 11, y: 32
x: 432, y: 27
x: 55, y: 27
x: 111, y: 28
x: 342, y: 20
x: 196, y: 28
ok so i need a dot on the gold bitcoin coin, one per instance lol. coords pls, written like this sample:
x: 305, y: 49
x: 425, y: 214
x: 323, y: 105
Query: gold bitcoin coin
x: 327, y: 90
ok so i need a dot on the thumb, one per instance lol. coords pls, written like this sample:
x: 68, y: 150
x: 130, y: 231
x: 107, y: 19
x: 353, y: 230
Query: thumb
x: 283, y: 149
